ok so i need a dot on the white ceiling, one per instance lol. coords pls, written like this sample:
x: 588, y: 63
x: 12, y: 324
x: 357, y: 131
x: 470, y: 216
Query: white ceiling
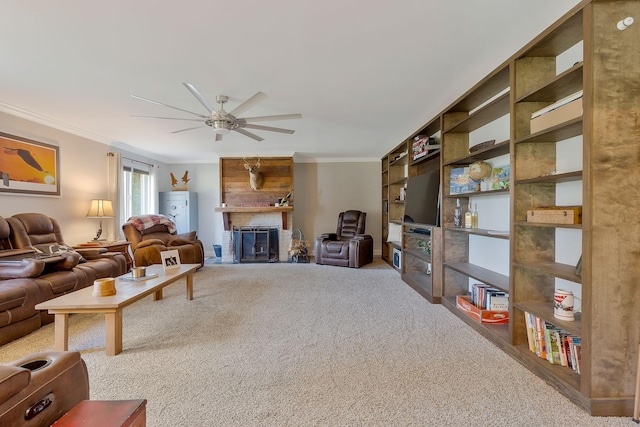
x: 365, y: 75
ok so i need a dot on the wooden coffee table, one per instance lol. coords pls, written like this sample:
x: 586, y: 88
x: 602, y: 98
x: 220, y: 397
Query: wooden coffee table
x: 127, y: 292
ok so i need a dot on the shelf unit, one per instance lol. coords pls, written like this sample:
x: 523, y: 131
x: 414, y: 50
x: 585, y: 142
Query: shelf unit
x: 610, y: 61
x: 421, y: 262
x: 592, y: 160
x: 394, y: 178
x: 397, y: 167
x: 479, y: 108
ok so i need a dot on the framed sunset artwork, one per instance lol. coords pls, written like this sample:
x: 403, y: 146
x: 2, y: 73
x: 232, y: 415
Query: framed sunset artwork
x: 28, y: 167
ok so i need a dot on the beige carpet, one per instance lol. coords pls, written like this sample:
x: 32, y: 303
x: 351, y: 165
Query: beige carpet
x: 307, y: 345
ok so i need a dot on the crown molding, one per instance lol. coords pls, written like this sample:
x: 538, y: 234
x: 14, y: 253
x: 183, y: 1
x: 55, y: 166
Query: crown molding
x: 46, y: 121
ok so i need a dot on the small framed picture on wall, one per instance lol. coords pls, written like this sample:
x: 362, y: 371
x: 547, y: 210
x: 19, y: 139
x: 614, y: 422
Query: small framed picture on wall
x: 170, y: 259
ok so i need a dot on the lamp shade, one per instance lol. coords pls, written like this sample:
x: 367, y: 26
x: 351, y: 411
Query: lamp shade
x: 100, y: 208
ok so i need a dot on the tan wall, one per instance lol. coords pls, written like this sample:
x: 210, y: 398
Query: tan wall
x: 322, y: 190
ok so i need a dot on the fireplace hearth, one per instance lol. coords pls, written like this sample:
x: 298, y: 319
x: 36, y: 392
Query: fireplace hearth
x: 255, y: 244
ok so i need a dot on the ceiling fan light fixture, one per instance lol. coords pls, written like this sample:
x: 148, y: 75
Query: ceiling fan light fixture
x: 222, y: 122
x: 220, y: 127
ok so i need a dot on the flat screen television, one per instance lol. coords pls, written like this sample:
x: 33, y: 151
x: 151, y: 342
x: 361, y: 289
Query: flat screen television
x: 422, y: 199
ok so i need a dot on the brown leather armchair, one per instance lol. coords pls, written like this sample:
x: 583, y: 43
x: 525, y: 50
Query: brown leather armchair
x: 151, y: 234
x: 348, y: 246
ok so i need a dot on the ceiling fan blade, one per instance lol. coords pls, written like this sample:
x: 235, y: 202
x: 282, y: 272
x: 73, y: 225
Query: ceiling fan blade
x: 269, y: 128
x: 167, y: 105
x: 249, y: 103
x: 219, y: 137
x: 249, y: 134
x: 200, y: 98
x: 166, y: 118
x: 191, y: 128
x: 269, y: 118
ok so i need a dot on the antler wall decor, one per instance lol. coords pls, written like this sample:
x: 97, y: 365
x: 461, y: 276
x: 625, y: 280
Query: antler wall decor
x: 174, y: 182
x: 256, y: 179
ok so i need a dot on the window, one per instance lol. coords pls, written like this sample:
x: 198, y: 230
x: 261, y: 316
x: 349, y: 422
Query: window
x: 137, y: 188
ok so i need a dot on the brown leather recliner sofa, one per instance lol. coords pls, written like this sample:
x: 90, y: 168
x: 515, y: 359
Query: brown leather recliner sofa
x: 39, y: 389
x: 348, y: 246
x: 151, y: 234
x: 30, y: 273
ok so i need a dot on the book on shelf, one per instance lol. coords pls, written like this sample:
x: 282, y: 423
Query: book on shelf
x: 577, y: 346
x: 552, y: 343
x: 423, y: 145
x: 489, y: 298
x: 477, y: 294
x: 554, y: 340
x: 566, y: 346
x: 500, y: 177
x: 500, y: 302
x: 528, y: 319
x: 563, y: 354
x: 541, y: 349
x: 460, y: 182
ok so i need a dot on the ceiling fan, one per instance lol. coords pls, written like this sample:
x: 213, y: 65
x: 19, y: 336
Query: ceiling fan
x: 222, y: 121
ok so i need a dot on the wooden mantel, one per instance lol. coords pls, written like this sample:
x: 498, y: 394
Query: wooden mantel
x: 252, y: 209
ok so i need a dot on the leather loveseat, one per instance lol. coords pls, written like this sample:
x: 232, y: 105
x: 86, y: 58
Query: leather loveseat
x: 36, y: 266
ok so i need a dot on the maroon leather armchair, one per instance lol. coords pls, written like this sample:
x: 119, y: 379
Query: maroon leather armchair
x: 348, y: 246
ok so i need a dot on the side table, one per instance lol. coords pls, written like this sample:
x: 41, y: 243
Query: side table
x: 106, y: 413
x: 119, y: 246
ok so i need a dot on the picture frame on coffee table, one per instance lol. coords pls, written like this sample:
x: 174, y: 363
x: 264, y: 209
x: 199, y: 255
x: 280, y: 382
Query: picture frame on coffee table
x: 170, y: 259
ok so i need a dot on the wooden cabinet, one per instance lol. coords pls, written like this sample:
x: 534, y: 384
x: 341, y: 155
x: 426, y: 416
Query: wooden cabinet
x: 421, y: 260
x: 590, y: 161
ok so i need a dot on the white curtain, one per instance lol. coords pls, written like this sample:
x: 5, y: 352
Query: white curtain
x: 114, y: 176
x: 153, y: 190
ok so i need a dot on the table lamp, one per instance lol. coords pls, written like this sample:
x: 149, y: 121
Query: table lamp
x: 100, y: 208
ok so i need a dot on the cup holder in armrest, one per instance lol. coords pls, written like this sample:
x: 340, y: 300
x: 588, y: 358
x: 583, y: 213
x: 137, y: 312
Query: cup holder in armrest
x: 35, y: 365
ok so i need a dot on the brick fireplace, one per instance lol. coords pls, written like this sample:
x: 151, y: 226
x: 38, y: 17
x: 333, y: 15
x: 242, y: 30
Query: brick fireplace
x: 257, y: 219
x: 242, y: 206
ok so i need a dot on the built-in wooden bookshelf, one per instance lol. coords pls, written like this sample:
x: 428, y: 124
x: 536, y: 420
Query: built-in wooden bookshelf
x: 589, y: 161
x: 397, y: 166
